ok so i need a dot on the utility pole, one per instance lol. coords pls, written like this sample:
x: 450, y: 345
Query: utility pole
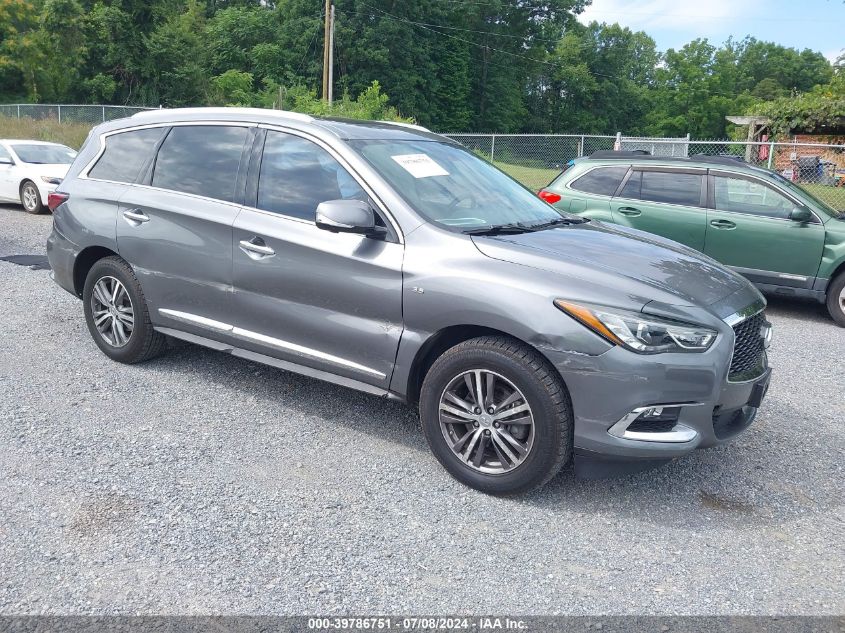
x: 327, y: 51
x: 331, y: 56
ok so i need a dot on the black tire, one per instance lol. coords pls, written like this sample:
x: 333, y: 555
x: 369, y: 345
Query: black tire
x: 836, y: 299
x: 143, y: 343
x: 544, y: 392
x: 29, y: 192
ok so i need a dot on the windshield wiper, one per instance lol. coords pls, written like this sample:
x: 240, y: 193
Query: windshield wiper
x: 500, y: 229
x: 557, y: 222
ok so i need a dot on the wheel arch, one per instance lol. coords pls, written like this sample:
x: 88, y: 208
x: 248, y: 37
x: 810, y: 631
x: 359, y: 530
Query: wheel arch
x: 84, y: 262
x: 440, y: 341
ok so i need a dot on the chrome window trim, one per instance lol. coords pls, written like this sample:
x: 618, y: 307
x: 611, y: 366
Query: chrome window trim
x: 211, y: 324
x: 578, y: 177
x: 101, y: 139
x: 276, y: 127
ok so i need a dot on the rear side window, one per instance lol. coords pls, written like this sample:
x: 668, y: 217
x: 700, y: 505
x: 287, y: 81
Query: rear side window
x: 125, y: 154
x: 602, y: 181
x: 297, y: 175
x: 201, y: 159
x: 671, y: 187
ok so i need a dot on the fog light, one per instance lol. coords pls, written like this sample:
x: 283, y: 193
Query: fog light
x: 657, y: 423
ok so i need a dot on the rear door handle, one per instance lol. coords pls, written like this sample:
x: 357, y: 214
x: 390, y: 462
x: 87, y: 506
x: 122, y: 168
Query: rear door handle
x: 135, y: 217
x: 256, y: 248
x: 630, y: 211
x: 722, y: 224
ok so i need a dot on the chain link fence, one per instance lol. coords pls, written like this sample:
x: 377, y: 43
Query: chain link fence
x: 67, y: 113
x: 537, y: 159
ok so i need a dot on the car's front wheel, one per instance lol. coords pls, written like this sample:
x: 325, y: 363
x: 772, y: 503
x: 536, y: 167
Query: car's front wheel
x: 497, y: 415
x: 30, y: 198
x: 836, y: 299
x: 117, y: 314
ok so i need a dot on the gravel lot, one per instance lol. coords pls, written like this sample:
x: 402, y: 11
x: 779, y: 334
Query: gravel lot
x: 202, y: 483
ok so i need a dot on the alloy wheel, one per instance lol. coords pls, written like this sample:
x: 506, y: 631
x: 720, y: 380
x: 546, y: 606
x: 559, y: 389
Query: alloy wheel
x: 111, y: 309
x: 29, y: 197
x: 487, y: 421
x: 842, y: 299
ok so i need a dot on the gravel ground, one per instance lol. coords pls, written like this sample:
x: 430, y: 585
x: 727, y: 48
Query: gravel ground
x: 202, y: 483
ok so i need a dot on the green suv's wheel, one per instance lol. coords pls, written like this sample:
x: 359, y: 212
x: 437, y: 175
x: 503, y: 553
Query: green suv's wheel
x: 836, y: 299
x: 117, y: 314
x: 496, y: 415
x: 30, y: 198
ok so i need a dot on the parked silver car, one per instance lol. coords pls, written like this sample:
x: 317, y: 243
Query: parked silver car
x: 389, y: 259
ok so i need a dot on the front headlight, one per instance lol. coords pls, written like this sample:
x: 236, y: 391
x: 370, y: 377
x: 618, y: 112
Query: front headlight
x: 51, y: 180
x: 640, y: 332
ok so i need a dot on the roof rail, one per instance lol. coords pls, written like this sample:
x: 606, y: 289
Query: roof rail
x: 413, y: 126
x: 608, y: 153
x: 724, y: 159
x: 297, y: 116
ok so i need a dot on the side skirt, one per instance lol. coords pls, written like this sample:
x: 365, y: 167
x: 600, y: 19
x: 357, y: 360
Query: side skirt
x: 281, y: 364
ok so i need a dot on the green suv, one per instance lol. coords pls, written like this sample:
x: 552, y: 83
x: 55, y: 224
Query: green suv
x: 782, y: 238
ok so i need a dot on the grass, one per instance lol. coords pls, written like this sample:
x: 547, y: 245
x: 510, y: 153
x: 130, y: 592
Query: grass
x: 534, y: 178
x: 70, y: 134
x: 834, y: 196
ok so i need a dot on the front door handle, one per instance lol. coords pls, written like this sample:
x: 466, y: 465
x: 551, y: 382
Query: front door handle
x: 722, y: 224
x: 256, y: 248
x: 135, y: 217
x: 630, y: 211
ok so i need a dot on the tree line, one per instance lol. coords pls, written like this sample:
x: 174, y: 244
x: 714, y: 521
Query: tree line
x: 452, y: 65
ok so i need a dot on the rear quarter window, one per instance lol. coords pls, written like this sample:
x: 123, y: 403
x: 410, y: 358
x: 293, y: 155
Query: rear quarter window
x: 602, y: 181
x: 125, y: 154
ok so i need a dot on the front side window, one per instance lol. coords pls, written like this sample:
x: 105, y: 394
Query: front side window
x: 296, y: 175
x: 741, y: 195
x: 5, y: 156
x: 201, y: 159
x: 602, y: 181
x: 671, y: 187
x: 451, y: 186
x: 125, y: 154
x: 44, y: 154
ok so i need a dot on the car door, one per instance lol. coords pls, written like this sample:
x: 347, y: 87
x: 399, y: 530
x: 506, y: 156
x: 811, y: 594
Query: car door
x: 665, y: 201
x: 329, y: 301
x: 748, y: 228
x: 175, y: 227
x: 8, y: 171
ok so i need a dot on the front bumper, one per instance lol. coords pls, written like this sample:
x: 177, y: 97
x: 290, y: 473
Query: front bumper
x: 610, y: 391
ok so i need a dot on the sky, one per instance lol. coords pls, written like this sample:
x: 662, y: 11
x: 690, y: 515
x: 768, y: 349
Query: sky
x: 814, y: 24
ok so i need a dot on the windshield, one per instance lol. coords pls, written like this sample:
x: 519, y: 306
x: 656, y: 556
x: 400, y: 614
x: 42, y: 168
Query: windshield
x: 452, y: 187
x: 786, y: 182
x: 45, y: 154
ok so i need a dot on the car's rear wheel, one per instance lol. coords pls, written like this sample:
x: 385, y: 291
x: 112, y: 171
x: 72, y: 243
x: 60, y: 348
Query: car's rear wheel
x: 836, y: 299
x: 117, y: 315
x: 30, y: 198
x: 497, y: 415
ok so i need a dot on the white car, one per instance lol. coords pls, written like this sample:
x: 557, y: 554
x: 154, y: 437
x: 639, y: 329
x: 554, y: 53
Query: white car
x: 30, y: 171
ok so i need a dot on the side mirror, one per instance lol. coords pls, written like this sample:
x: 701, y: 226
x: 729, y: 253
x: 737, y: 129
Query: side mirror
x: 347, y: 216
x: 801, y: 214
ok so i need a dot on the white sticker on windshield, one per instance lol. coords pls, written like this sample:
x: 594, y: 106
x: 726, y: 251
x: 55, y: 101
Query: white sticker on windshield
x: 420, y: 165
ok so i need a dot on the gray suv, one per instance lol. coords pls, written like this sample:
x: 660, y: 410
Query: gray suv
x: 385, y: 258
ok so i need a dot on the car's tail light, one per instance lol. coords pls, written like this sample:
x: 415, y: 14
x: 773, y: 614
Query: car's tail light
x: 549, y: 196
x: 55, y: 198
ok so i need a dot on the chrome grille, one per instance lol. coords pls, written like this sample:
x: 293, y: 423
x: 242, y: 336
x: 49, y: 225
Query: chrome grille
x: 749, y: 349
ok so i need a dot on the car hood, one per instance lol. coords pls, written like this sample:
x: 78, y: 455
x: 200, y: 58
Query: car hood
x: 645, y: 267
